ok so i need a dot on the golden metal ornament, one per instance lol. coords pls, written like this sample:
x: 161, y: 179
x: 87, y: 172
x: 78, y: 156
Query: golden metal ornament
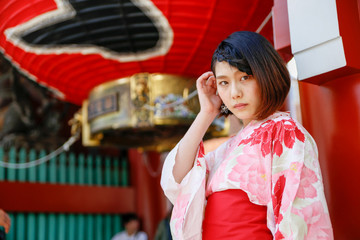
x: 145, y: 111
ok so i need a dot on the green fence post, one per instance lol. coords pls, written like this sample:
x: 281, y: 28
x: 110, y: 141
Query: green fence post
x: 108, y: 227
x: 80, y: 226
x: 32, y: 171
x: 31, y: 230
x: 22, y: 159
x: 19, y: 227
x: 12, y: 159
x: 117, y: 224
x: 89, y: 179
x: 107, y: 171
x: 72, y: 169
x: 70, y: 225
x: 2, y: 170
x: 62, y: 227
x: 42, y: 176
x: 89, y: 234
x: 52, y: 230
x: 80, y: 178
x: 42, y: 229
x: 116, y: 174
x: 12, y: 233
x: 52, y: 171
x: 62, y: 169
x: 124, y: 172
x: 99, y: 227
x: 98, y: 171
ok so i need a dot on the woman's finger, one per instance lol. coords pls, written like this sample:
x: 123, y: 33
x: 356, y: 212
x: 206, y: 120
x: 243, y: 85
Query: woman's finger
x: 205, y: 76
x: 210, y: 81
x: 205, y: 79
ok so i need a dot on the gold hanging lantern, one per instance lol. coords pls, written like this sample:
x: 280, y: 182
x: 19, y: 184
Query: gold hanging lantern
x: 148, y: 111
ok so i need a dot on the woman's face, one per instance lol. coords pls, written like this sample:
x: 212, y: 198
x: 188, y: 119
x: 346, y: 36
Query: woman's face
x: 239, y: 91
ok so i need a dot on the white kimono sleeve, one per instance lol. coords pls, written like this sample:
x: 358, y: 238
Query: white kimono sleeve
x: 188, y: 197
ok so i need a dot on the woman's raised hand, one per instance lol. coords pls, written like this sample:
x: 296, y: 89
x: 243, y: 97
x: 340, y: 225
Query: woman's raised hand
x: 209, y: 101
x: 188, y: 147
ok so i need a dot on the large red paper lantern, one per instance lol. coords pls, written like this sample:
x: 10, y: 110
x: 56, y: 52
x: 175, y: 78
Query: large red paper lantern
x: 73, y: 46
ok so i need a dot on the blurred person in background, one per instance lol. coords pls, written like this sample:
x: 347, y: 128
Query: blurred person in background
x: 163, y: 229
x: 132, y: 226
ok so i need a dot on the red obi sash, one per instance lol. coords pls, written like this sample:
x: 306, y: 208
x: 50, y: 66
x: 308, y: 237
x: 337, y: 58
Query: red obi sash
x: 230, y: 215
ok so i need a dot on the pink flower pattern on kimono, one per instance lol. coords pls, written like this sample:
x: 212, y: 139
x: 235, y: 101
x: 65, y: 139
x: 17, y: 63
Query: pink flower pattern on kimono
x: 277, y: 197
x: 289, y: 180
x: 276, y: 201
x: 201, y: 154
x: 318, y: 228
x: 275, y: 133
x: 179, y: 210
x: 307, y: 190
x: 251, y: 175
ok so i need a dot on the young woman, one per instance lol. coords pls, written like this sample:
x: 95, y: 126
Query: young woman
x: 263, y: 183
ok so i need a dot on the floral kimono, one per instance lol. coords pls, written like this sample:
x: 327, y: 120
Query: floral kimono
x: 274, y: 161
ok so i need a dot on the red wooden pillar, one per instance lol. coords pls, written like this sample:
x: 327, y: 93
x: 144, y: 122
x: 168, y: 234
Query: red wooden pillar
x: 330, y: 98
x: 331, y: 113
x: 150, y: 201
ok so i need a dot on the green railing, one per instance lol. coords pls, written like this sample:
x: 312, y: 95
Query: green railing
x: 65, y: 169
x: 30, y: 226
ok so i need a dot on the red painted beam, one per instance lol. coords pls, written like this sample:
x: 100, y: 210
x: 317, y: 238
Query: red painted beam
x: 61, y: 198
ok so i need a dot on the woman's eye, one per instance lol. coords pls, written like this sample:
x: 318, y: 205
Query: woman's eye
x: 222, y: 83
x: 243, y: 78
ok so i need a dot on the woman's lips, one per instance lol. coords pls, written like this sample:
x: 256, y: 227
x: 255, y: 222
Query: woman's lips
x: 240, y: 105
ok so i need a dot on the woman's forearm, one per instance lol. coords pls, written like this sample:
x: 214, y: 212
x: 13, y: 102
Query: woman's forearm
x: 189, y: 144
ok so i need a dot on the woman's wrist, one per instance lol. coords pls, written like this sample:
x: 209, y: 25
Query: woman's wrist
x: 209, y: 113
x: 208, y: 116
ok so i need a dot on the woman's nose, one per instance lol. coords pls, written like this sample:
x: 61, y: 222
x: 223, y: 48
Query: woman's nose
x: 236, y: 91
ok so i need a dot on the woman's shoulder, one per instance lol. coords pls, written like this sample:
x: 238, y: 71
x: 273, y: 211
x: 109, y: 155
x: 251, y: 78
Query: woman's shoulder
x: 288, y: 131
x: 289, y: 123
x: 278, y: 129
x: 282, y: 121
x: 280, y: 117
